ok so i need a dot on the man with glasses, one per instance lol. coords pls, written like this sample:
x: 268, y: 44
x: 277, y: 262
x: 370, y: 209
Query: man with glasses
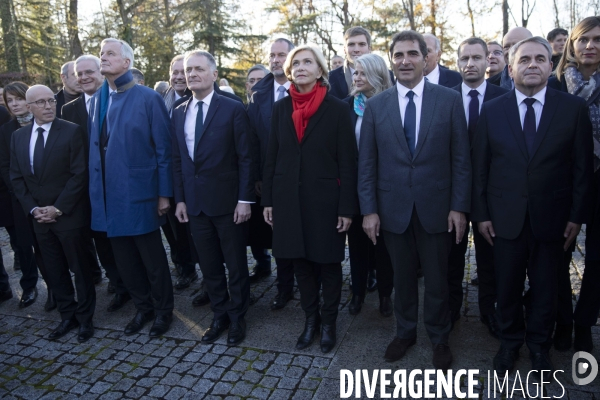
x: 255, y: 74
x: 71, y: 89
x: 49, y: 177
x: 496, y: 63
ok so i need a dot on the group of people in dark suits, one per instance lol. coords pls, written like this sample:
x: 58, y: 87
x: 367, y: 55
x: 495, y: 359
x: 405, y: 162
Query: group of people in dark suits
x: 399, y: 163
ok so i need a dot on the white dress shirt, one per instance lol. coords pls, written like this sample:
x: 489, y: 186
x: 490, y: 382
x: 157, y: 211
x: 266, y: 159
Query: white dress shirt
x: 434, y: 76
x: 189, y: 128
x: 357, y: 130
x: 276, y: 86
x: 467, y: 99
x: 87, y: 99
x: 538, y: 106
x: 34, y: 137
x: 417, y: 99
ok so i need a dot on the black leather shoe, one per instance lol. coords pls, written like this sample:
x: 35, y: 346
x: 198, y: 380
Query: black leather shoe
x: 161, y: 325
x: 328, y: 338
x: 50, y: 302
x: 583, y: 339
x: 86, y: 331
x: 179, y: 269
x: 110, y: 288
x: 475, y: 281
x: 201, y: 300
x: 259, y: 274
x: 504, y: 360
x: 138, y: 322
x: 184, y: 281
x: 217, y: 327
x: 16, y: 262
x: 386, y: 308
x: 541, y: 362
x: 442, y: 356
x: 5, y: 295
x: 355, y: 304
x: 562, y: 337
x: 237, y: 333
x: 63, y: 328
x: 311, y: 326
x: 118, y: 301
x: 28, y: 298
x: 492, y: 324
x: 281, y: 300
x: 372, y: 281
x: 397, y: 348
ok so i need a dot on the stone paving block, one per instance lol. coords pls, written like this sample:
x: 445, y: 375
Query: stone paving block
x: 214, y: 373
x: 178, y: 352
x: 202, y: 385
x: 147, y: 382
x: 288, y: 383
x: 294, y: 372
x: 187, y: 381
x: 198, y: 369
x: 310, y: 384
x: 283, y: 359
x: 268, y: 356
x: 302, y: 361
x: 108, y: 364
x: 182, y: 367
x: 269, y: 382
x: 316, y: 373
x: 124, y: 384
x: 170, y: 379
x: 136, y: 392
x: 252, y: 376
x: 302, y: 394
x: 240, y: 365
x: 158, y: 371
x: 28, y: 392
x: 80, y: 388
x: 111, y: 396
x: 277, y: 370
x: 100, y: 387
x: 193, y: 357
x: 321, y: 362
x: 209, y: 358
x: 113, y: 377
x: 124, y: 368
x: 242, y: 389
x: 261, y: 393
x: 234, y: 351
x: 138, y: 372
x: 222, y: 388
x: 250, y: 355
x: 161, y: 352
x: 168, y: 361
x: 224, y: 361
x: 281, y: 394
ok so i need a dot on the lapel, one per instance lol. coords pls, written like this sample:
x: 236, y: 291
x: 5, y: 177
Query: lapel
x: 287, y: 115
x: 353, y: 115
x: 441, y: 81
x: 511, y: 110
x: 212, y: 110
x: 265, y: 101
x: 50, y: 141
x: 24, y: 149
x: 548, y: 111
x: 181, y: 127
x: 81, y: 109
x: 315, y: 118
x: 427, y: 114
x: 396, y: 119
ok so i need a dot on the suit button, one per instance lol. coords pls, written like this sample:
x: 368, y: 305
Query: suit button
x: 96, y: 169
x: 413, y: 167
x: 105, y: 149
x: 196, y: 176
x: 96, y: 143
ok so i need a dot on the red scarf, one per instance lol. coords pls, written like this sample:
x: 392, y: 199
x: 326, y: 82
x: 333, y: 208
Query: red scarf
x: 305, y: 106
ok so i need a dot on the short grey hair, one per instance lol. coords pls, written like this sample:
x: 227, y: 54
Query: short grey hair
x: 64, y: 69
x: 535, y: 39
x: 202, y: 53
x: 438, y: 44
x: 126, y: 50
x: 257, y: 67
x: 288, y: 42
x: 88, y: 57
x: 376, y: 72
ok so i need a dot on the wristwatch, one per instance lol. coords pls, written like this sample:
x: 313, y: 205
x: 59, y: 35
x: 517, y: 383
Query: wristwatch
x: 58, y: 212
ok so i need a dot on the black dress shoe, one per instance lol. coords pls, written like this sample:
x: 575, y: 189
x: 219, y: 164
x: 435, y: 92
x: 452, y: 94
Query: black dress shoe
x: 86, y: 331
x: 138, y: 322
x: 118, y: 301
x: 258, y: 274
x: 492, y: 324
x: 355, y: 304
x: 386, y: 308
x: 281, y: 300
x: 475, y: 281
x: 328, y: 338
x: 161, y: 325
x: 201, y: 300
x: 442, y: 357
x: 541, y: 362
x: 110, y: 288
x: 372, y: 281
x: 562, y: 337
x: 63, y: 328
x: 311, y: 326
x: 217, y: 327
x: 179, y: 269
x: 28, y: 298
x: 237, y: 333
x: 397, y: 348
x: 16, y: 262
x: 50, y: 302
x: 583, y: 339
x: 505, y: 359
x: 6, y: 295
x: 184, y: 281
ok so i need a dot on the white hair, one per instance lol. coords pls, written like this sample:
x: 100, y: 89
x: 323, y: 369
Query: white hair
x: 64, y: 70
x: 88, y: 57
x: 438, y: 45
x: 201, y: 53
x: 126, y: 50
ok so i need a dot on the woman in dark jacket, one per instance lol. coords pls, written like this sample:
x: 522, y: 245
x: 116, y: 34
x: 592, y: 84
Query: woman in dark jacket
x: 309, y: 188
x: 370, y: 77
x: 578, y: 74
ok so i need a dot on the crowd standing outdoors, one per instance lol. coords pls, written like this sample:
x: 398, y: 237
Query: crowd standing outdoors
x: 402, y: 164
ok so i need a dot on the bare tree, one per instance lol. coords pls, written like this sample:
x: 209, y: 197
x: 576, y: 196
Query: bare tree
x: 471, y: 15
x: 526, y: 11
x: 11, y: 52
x: 556, y: 20
x: 504, y: 17
x: 409, y: 9
x: 75, y: 49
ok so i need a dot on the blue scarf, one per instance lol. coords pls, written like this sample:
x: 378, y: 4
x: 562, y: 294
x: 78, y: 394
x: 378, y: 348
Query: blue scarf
x: 360, y: 101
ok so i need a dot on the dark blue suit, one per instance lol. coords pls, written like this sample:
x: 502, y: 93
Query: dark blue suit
x: 449, y: 78
x: 211, y: 185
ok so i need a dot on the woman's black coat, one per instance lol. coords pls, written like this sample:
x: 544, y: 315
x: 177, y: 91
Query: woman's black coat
x: 310, y: 184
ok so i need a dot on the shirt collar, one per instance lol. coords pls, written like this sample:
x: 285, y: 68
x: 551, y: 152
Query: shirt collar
x: 435, y: 73
x: 480, y: 89
x: 87, y: 97
x: 46, y: 126
x: 539, y: 96
x: 418, y: 90
x: 286, y: 85
x: 205, y: 100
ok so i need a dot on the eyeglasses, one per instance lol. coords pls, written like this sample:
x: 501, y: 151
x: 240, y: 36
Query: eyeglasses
x: 89, y: 72
x: 42, y: 103
x: 497, y: 53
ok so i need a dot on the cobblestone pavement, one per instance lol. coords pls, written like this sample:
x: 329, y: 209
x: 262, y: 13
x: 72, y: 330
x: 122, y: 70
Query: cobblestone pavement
x: 265, y: 366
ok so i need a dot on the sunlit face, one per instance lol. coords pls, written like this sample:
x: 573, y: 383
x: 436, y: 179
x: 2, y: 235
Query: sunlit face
x: 409, y: 63
x: 305, y: 70
x: 198, y: 73
x: 277, y: 57
x: 355, y: 47
x: 433, y: 56
x: 89, y: 77
x: 360, y: 81
x: 472, y: 63
x: 336, y: 62
x: 587, y: 48
x: 112, y: 62
x: 495, y: 59
x: 531, y: 67
x: 16, y: 105
x: 70, y: 80
x: 253, y: 78
x: 45, y: 112
x: 177, y: 79
x: 558, y: 44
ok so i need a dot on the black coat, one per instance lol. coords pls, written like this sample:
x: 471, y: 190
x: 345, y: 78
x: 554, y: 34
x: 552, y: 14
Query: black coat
x: 449, y: 78
x: 6, y: 213
x: 310, y: 184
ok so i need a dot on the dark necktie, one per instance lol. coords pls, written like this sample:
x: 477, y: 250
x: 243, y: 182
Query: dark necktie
x: 473, y: 113
x: 38, y: 153
x: 410, y: 123
x: 199, y: 125
x: 529, y: 126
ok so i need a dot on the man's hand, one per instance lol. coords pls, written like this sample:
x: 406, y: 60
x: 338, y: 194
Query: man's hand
x: 163, y: 205
x: 571, y: 232
x: 45, y: 215
x: 343, y: 224
x: 459, y: 222
x: 268, y: 214
x: 371, y: 226
x: 181, y: 212
x: 258, y: 188
x: 242, y: 213
x: 487, y: 231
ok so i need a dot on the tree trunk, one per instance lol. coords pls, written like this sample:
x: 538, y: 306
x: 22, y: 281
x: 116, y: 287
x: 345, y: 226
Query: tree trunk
x: 432, y: 16
x: 11, y: 52
x: 409, y: 9
x: 471, y: 18
x: 75, y: 49
x: 556, y: 20
x: 504, y: 17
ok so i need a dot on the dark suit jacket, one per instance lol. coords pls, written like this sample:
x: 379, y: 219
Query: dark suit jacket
x: 435, y: 181
x: 449, y: 78
x: 220, y: 175
x: 188, y: 93
x: 76, y: 112
x: 495, y: 80
x: 6, y: 214
x: 310, y: 184
x: 339, y: 87
x: 552, y: 187
x: 259, y: 111
x: 63, y: 181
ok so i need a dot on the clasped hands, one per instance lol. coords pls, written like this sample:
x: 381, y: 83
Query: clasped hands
x: 45, y: 215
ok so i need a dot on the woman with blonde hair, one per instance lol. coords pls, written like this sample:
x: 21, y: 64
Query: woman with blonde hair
x: 309, y: 188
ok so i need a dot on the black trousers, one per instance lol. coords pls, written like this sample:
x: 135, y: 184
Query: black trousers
x: 144, y: 268
x: 539, y: 261
x: 23, y: 246
x: 432, y: 250
x: 218, y: 238
x: 65, y: 252
x: 365, y: 256
x: 107, y: 259
x: 308, y: 274
x: 178, y: 236
x: 564, y: 305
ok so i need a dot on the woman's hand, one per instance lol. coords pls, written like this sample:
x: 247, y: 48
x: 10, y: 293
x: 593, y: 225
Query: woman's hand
x: 343, y: 224
x: 268, y: 214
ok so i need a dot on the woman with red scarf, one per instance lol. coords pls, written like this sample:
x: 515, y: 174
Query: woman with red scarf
x: 309, y: 188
